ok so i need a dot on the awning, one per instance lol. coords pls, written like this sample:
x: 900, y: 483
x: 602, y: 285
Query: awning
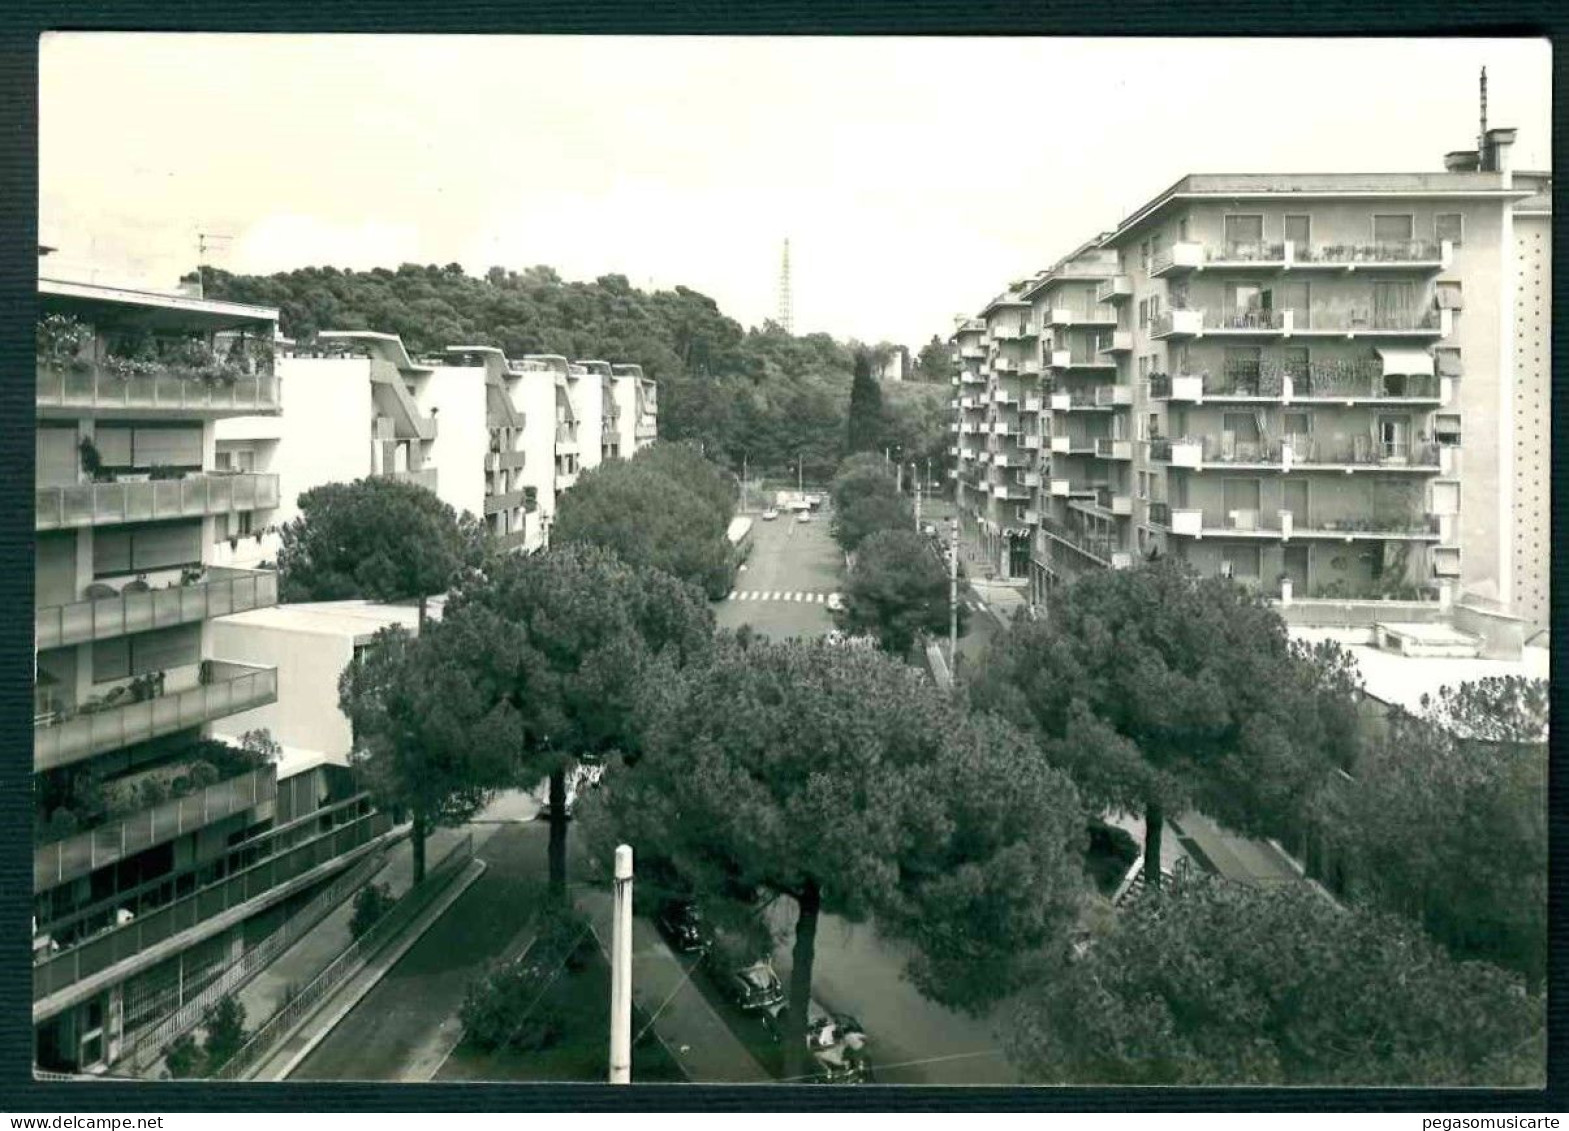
x: 1407, y: 363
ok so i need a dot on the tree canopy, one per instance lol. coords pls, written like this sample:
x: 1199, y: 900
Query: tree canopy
x: 1446, y: 822
x: 1156, y: 689
x: 845, y: 782
x: 867, y: 428
x: 866, y: 500
x: 897, y: 588
x: 1217, y: 983
x: 375, y: 538
x: 667, y: 508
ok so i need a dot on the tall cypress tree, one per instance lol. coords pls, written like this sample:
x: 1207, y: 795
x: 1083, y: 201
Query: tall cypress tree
x: 866, y: 407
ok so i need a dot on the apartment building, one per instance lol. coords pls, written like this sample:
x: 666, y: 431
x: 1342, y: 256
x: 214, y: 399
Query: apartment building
x: 637, y: 408
x: 508, y: 500
x: 1331, y: 387
x: 160, y: 855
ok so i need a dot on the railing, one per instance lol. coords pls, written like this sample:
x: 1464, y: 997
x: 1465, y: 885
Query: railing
x: 1160, y: 448
x: 349, y: 963
x: 1113, y: 447
x: 505, y: 501
x: 505, y: 461
x: 1160, y: 514
x: 1393, y: 251
x: 225, y: 689
x: 1159, y: 386
x: 94, y: 388
x: 567, y: 433
x: 425, y: 477
x: 1118, y: 286
x: 221, y: 592
x: 88, y: 504
x: 145, y: 1044
x: 118, y: 944
x: 1364, y: 451
x: 1356, y: 319
x: 1099, y: 547
x: 1356, y: 379
x: 77, y: 855
x: 1271, y: 523
x: 1259, y: 319
x: 1246, y: 251
x: 512, y: 540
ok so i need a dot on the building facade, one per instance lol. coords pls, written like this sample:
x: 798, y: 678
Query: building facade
x: 1329, y: 387
x: 161, y: 855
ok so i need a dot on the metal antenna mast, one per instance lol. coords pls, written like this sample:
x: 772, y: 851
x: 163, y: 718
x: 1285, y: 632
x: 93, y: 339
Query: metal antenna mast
x: 203, y: 242
x: 1481, y: 138
x: 786, y: 301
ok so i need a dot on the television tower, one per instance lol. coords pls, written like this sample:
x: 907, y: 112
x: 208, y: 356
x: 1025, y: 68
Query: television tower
x: 786, y: 305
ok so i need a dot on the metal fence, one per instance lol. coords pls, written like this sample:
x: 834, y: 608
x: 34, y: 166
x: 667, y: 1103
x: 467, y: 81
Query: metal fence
x: 349, y: 963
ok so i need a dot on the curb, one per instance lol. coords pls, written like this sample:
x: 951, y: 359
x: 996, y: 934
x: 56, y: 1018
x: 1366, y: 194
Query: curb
x: 342, y: 1004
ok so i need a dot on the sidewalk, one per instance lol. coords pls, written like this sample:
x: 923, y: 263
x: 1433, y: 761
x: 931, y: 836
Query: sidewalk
x: 698, y: 1038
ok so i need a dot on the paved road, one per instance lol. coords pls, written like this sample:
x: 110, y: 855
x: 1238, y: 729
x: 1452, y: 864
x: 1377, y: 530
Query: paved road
x: 402, y: 1025
x: 790, y: 561
x: 914, y: 1040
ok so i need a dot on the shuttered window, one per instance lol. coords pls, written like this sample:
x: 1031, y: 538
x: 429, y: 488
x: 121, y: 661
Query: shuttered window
x: 144, y: 652
x: 124, y: 445
x: 137, y: 549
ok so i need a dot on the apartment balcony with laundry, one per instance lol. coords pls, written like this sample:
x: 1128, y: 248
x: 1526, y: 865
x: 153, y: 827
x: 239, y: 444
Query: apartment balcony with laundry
x: 1342, y: 440
x: 1292, y: 374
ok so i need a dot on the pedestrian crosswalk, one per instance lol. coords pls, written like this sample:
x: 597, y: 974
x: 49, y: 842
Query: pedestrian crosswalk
x: 780, y: 595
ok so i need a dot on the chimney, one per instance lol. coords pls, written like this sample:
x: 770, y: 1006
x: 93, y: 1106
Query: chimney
x: 1499, y: 142
x: 1461, y: 161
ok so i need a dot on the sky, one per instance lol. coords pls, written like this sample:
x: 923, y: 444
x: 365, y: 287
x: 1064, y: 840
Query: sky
x: 914, y: 178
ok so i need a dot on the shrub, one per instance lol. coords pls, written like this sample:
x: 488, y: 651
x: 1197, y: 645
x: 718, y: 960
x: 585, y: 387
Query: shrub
x: 512, y: 1006
x: 225, y: 1025
x: 371, y: 902
x: 183, y: 1058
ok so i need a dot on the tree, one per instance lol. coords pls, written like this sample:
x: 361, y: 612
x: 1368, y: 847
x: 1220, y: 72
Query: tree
x: 435, y: 732
x: 897, y: 588
x: 845, y: 782
x: 224, y: 1022
x: 1155, y: 689
x: 1446, y: 822
x: 866, y: 423
x: 667, y: 508
x: 371, y: 902
x: 1219, y: 983
x: 866, y: 500
x: 378, y: 539
x: 183, y: 1057
x: 935, y: 362
x: 568, y: 634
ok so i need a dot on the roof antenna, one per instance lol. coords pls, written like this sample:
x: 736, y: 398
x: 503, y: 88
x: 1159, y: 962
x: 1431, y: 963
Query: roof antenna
x: 1481, y: 138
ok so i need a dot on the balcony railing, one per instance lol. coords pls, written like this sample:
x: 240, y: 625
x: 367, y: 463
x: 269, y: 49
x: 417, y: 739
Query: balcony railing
x: 218, y: 593
x: 95, y: 389
x: 505, y: 461
x: 1253, y: 320
x: 225, y: 689
x: 94, y: 504
x: 119, y: 944
x: 1389, y: 252
x: 1114, y: 289
x: 1353, y: 320
x: 512, y: 540
x: 1160, y: 514
x: 1098, y: 546
x: 1284, y: 524
x: 1109, y: 447
x: 506, y: 501
x: 566, y: 434
x: 85, y: 852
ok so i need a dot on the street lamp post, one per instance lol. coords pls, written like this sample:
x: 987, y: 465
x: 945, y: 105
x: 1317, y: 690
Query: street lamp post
x: 621, y: 971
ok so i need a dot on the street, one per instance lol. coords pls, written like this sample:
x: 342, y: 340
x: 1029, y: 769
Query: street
x: 790, y: 562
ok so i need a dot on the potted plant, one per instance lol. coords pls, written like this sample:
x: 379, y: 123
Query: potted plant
x: 92, y: 461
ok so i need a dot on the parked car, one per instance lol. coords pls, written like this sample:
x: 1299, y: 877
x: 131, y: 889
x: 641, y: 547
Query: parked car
x: 752, y: 986
x: 770, y: 514
x: 836, y: 1041
x: 804, y: 516
x: 683, y: 924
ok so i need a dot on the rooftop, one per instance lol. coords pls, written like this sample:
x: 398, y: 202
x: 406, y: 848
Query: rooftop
x: 357, y: 619
x: 154, y: 309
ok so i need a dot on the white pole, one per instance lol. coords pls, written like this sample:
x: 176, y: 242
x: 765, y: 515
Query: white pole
x: 621, y: 971
x: 917, y: 501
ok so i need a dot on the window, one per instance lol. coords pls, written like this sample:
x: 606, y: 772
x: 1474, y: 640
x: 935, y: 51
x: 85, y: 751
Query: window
x: 1393, y: 228
x: 1393, y: 305
x: 1294, y: 498
x: 137, y: 549
x: 1182, y: 230
x: 1449, y: 226
x: 1299, y: 230
x: 1144, y: 313
x: 1144, y: 256
x: 144, y: 652
x: 1144, y: 485
x: 1240, y: 561
x: 1244, y: 296
x: 1446, y: 429
x: 1154, y: 425
x: 1144, y: 368
x: 1294, y: 362
x: 1241, y: 501
x: 1244, y: 229
x: 1297, y: 424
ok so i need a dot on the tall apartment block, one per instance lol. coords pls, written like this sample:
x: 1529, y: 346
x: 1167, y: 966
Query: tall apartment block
x: 1332, y: 387
x: 161, y: 856
x: 637, y: 408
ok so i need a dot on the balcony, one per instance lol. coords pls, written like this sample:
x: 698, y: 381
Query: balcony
x: 1118, y: 341
x: 1284, y: 525
x: 512, y: 540
x: 224, y: 689
x: 195, y: 496
x: 505, y: 461
x: 1032, y: 479
x: 1030, y: 403
x: 256, y: 886
x: 1005, y: 399
x: 1108, y: 447
x: 425, y: 477
x: 1061, y: 402
x: 1070, y: 316
x: 1031, y: 441
x: 1160, y: 514
x: 1073, y: 359
x: 99, y: 392
x: 1251, y: 255
x: 1012, y: 491
x: 1101, y: 547
x: 506, y: 501
x: 86, y: 852
x: 1178, y: 259
x: 973, y: 353
x: 1402, y: 255
x: 218, y: 593
x: 1177, y: 324
x: 566, y: 437
x: 1352, y: 322
x: 1362, y: 453
x: 1251, y: 321
x: 1177, y: 453
x: 969, y: 378
x: 1118, y: 288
